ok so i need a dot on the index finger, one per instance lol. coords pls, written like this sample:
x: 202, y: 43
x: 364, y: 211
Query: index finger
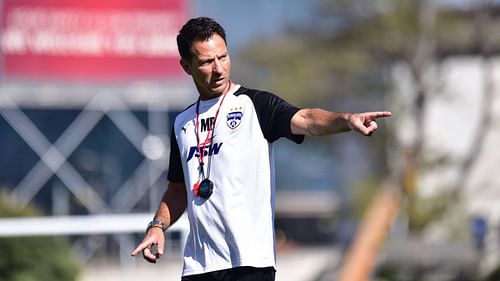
x: 379, y: 114
x: 145, y: 244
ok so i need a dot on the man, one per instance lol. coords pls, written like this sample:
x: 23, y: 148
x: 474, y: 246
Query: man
x: 222, y: 167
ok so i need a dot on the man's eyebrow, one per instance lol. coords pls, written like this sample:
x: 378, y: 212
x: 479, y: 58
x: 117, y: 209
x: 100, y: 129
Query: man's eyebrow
x: 207, y: 59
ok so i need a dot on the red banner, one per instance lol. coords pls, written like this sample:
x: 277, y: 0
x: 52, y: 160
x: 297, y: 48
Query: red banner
x: 91, y: 39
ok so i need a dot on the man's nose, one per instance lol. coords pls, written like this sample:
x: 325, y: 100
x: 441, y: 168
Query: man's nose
x: 217, y: 68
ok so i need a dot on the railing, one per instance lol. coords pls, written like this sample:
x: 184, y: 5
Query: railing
x: 118, y: 225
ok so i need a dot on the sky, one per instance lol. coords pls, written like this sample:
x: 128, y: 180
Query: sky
x: 244, y: 20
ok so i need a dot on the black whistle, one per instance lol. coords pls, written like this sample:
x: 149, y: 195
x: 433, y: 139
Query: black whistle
x: 206, y: 188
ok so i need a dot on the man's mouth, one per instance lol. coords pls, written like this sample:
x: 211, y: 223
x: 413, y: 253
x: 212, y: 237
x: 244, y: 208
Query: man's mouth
x: 218, y: 81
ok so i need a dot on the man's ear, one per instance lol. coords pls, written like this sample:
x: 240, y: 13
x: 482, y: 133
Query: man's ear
x: 185, y: 66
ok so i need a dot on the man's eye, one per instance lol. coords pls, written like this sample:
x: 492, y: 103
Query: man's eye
x: 206, y: 62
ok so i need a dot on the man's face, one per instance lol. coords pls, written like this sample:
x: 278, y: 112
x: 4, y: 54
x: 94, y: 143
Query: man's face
x: 210, y: 66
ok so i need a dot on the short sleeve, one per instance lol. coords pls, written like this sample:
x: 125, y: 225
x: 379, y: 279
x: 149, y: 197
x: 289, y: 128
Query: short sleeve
x: 275, y: 115
x: 175, y: 172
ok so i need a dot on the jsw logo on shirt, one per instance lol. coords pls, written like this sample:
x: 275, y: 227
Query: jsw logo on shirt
x: 208, y: 150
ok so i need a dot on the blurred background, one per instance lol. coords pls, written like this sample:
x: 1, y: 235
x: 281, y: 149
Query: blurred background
x: 89, y: 90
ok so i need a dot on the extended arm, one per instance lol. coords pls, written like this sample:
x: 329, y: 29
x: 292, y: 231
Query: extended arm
x: 319, y: 122
x: 172, y: 206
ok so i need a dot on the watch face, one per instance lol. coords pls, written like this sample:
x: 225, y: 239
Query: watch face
x: 206, y: 188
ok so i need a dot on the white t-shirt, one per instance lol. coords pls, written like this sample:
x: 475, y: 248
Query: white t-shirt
x: 235, y: 225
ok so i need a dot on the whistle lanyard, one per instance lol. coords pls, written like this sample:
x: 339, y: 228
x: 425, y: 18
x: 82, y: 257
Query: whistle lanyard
x: 208, y: 140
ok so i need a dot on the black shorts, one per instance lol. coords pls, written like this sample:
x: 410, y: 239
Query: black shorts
x: 243, y: 273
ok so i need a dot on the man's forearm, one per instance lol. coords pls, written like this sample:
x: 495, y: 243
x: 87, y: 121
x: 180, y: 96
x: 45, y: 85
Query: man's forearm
x: 172, y: 205
x: 318, y: 122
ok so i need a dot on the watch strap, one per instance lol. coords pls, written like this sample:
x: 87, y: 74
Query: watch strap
x: 156, y: 223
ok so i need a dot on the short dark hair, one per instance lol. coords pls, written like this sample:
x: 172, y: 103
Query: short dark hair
x: 197, y: 29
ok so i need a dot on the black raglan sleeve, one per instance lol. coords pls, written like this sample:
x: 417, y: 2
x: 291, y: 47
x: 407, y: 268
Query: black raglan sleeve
x: 175, y: 172
x: 275, y: 115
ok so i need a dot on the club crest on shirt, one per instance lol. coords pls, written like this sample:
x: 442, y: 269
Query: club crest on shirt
x: 233, y: 118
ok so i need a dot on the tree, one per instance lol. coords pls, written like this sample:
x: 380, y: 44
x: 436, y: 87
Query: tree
x: 34, y: 258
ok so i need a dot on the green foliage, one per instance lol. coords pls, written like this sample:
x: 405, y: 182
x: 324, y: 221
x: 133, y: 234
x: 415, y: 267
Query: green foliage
x: 422, y: 212
x: 8, y: 209
x: 389, y: 273
x: 494, y: 275
x: 307, y: 71
x: 34, y: 258
x: 362, y: 196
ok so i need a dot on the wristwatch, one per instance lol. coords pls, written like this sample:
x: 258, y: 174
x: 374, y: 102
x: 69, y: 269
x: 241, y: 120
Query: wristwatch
x: 156, y: 223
